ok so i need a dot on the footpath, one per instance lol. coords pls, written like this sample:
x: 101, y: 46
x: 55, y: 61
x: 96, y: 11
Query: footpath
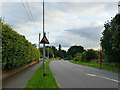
x: 20, y: 79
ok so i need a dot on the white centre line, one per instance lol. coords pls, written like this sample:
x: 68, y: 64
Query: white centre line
x: 102, y: 77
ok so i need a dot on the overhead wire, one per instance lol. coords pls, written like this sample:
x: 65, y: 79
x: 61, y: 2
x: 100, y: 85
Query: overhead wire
x: 26, y: 11
x: 30, y: 11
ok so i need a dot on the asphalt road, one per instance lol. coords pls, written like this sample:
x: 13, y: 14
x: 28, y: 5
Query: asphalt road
x: 20, y: 79
x: 70, y: 75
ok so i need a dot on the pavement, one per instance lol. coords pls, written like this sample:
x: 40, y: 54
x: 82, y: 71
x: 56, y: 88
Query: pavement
x: 20, y: 79
x: 70, y: 75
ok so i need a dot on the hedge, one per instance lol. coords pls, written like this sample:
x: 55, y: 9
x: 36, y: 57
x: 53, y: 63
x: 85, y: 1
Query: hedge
x: 16, y: 50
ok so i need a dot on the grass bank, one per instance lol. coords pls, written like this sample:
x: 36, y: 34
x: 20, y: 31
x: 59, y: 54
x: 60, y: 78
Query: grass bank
x: 56, y: 58
x: 40, y: 81
x: 107, y: 67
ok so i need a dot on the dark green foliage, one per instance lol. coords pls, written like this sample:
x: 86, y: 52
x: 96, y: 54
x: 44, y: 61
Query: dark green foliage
x: 77, y: 57
x: 110, y: 41
x: 68, y: 57
x: 89, y: 55
x: 75, y: 49
x: 16, y: 50
x: 54, y: 51
x: 86, y: 55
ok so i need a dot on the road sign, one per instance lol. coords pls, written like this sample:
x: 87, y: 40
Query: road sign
x: 44, y: 40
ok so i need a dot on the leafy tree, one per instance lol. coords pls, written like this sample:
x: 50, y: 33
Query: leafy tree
x: 110, y: 40
x: 89, y: 55
x: 75, y: 49
x: 86, y: 55
x: 64, y: 53
x: 78, y: 57
x: 54, y: 50
x: 59, y: 53
x: 59, y: 47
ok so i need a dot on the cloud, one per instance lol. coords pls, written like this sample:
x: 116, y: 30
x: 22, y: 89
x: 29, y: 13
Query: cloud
x: 68, y: 23
x: 86, y: 36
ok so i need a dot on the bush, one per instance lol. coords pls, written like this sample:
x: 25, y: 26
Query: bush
x: 68, y: 57
x: 16, y: 50
x: 59, y: 58
x: 89, y: 55
x: 77, y: 57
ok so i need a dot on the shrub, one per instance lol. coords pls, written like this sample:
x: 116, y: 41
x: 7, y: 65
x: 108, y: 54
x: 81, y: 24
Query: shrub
x: 16, y: 50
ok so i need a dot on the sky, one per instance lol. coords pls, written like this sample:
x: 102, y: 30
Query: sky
x: 66, y: 23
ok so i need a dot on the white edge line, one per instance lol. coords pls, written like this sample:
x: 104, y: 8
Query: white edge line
x: 102, y: 77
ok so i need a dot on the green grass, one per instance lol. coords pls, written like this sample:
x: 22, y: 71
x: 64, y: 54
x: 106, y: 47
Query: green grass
x: 40, y: 81
x: 41, y: 59
x: 55, y: 59
x: 107, y: 67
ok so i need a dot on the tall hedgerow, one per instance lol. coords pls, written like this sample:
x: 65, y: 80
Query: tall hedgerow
x: 16, y: 50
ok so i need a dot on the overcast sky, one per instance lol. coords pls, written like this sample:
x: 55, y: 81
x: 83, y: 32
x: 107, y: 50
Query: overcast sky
x: 68, y: 23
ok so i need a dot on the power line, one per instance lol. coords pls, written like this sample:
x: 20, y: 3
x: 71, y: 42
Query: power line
x: 30, y: 11
x: 26, y: 11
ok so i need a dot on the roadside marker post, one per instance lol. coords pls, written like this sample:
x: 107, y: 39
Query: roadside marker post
x: 39, y: 46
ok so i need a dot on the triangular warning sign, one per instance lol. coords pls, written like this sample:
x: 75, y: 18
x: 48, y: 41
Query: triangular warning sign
x: 44, y: 40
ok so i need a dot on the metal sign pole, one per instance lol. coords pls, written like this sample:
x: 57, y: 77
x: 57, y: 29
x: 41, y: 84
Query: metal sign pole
x: 43, y: 44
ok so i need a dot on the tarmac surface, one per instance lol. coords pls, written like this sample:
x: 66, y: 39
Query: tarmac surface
x: 70, y: 75
x: 20, y: 79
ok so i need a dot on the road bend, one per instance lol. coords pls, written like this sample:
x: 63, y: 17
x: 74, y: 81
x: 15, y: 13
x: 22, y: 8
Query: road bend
x: 70, y: 75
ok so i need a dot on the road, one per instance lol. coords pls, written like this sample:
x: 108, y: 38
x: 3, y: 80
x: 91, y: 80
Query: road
x: 70, y: 75
x: 20, y: 79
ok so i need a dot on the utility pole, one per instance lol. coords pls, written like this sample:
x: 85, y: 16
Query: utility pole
x: 44, y: 73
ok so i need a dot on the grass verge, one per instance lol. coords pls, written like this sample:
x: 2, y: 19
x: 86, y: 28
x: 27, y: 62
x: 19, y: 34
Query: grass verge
x: 40, y: 81
x: 107, y: 67
x: 55, y: 58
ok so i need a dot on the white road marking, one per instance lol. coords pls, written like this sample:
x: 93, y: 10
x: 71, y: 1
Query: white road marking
x: 102, y: 77
x: 91, y: 75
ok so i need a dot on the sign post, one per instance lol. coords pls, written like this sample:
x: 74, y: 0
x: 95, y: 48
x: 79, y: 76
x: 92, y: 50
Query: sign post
x: 44, y: 41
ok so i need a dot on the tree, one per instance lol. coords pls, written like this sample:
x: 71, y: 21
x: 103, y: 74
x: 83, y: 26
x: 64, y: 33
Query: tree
x: 110, y: 40
x: 89, y: 55
x: 75, y: 49
x: 59, y: 47
x: 54, y: 51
